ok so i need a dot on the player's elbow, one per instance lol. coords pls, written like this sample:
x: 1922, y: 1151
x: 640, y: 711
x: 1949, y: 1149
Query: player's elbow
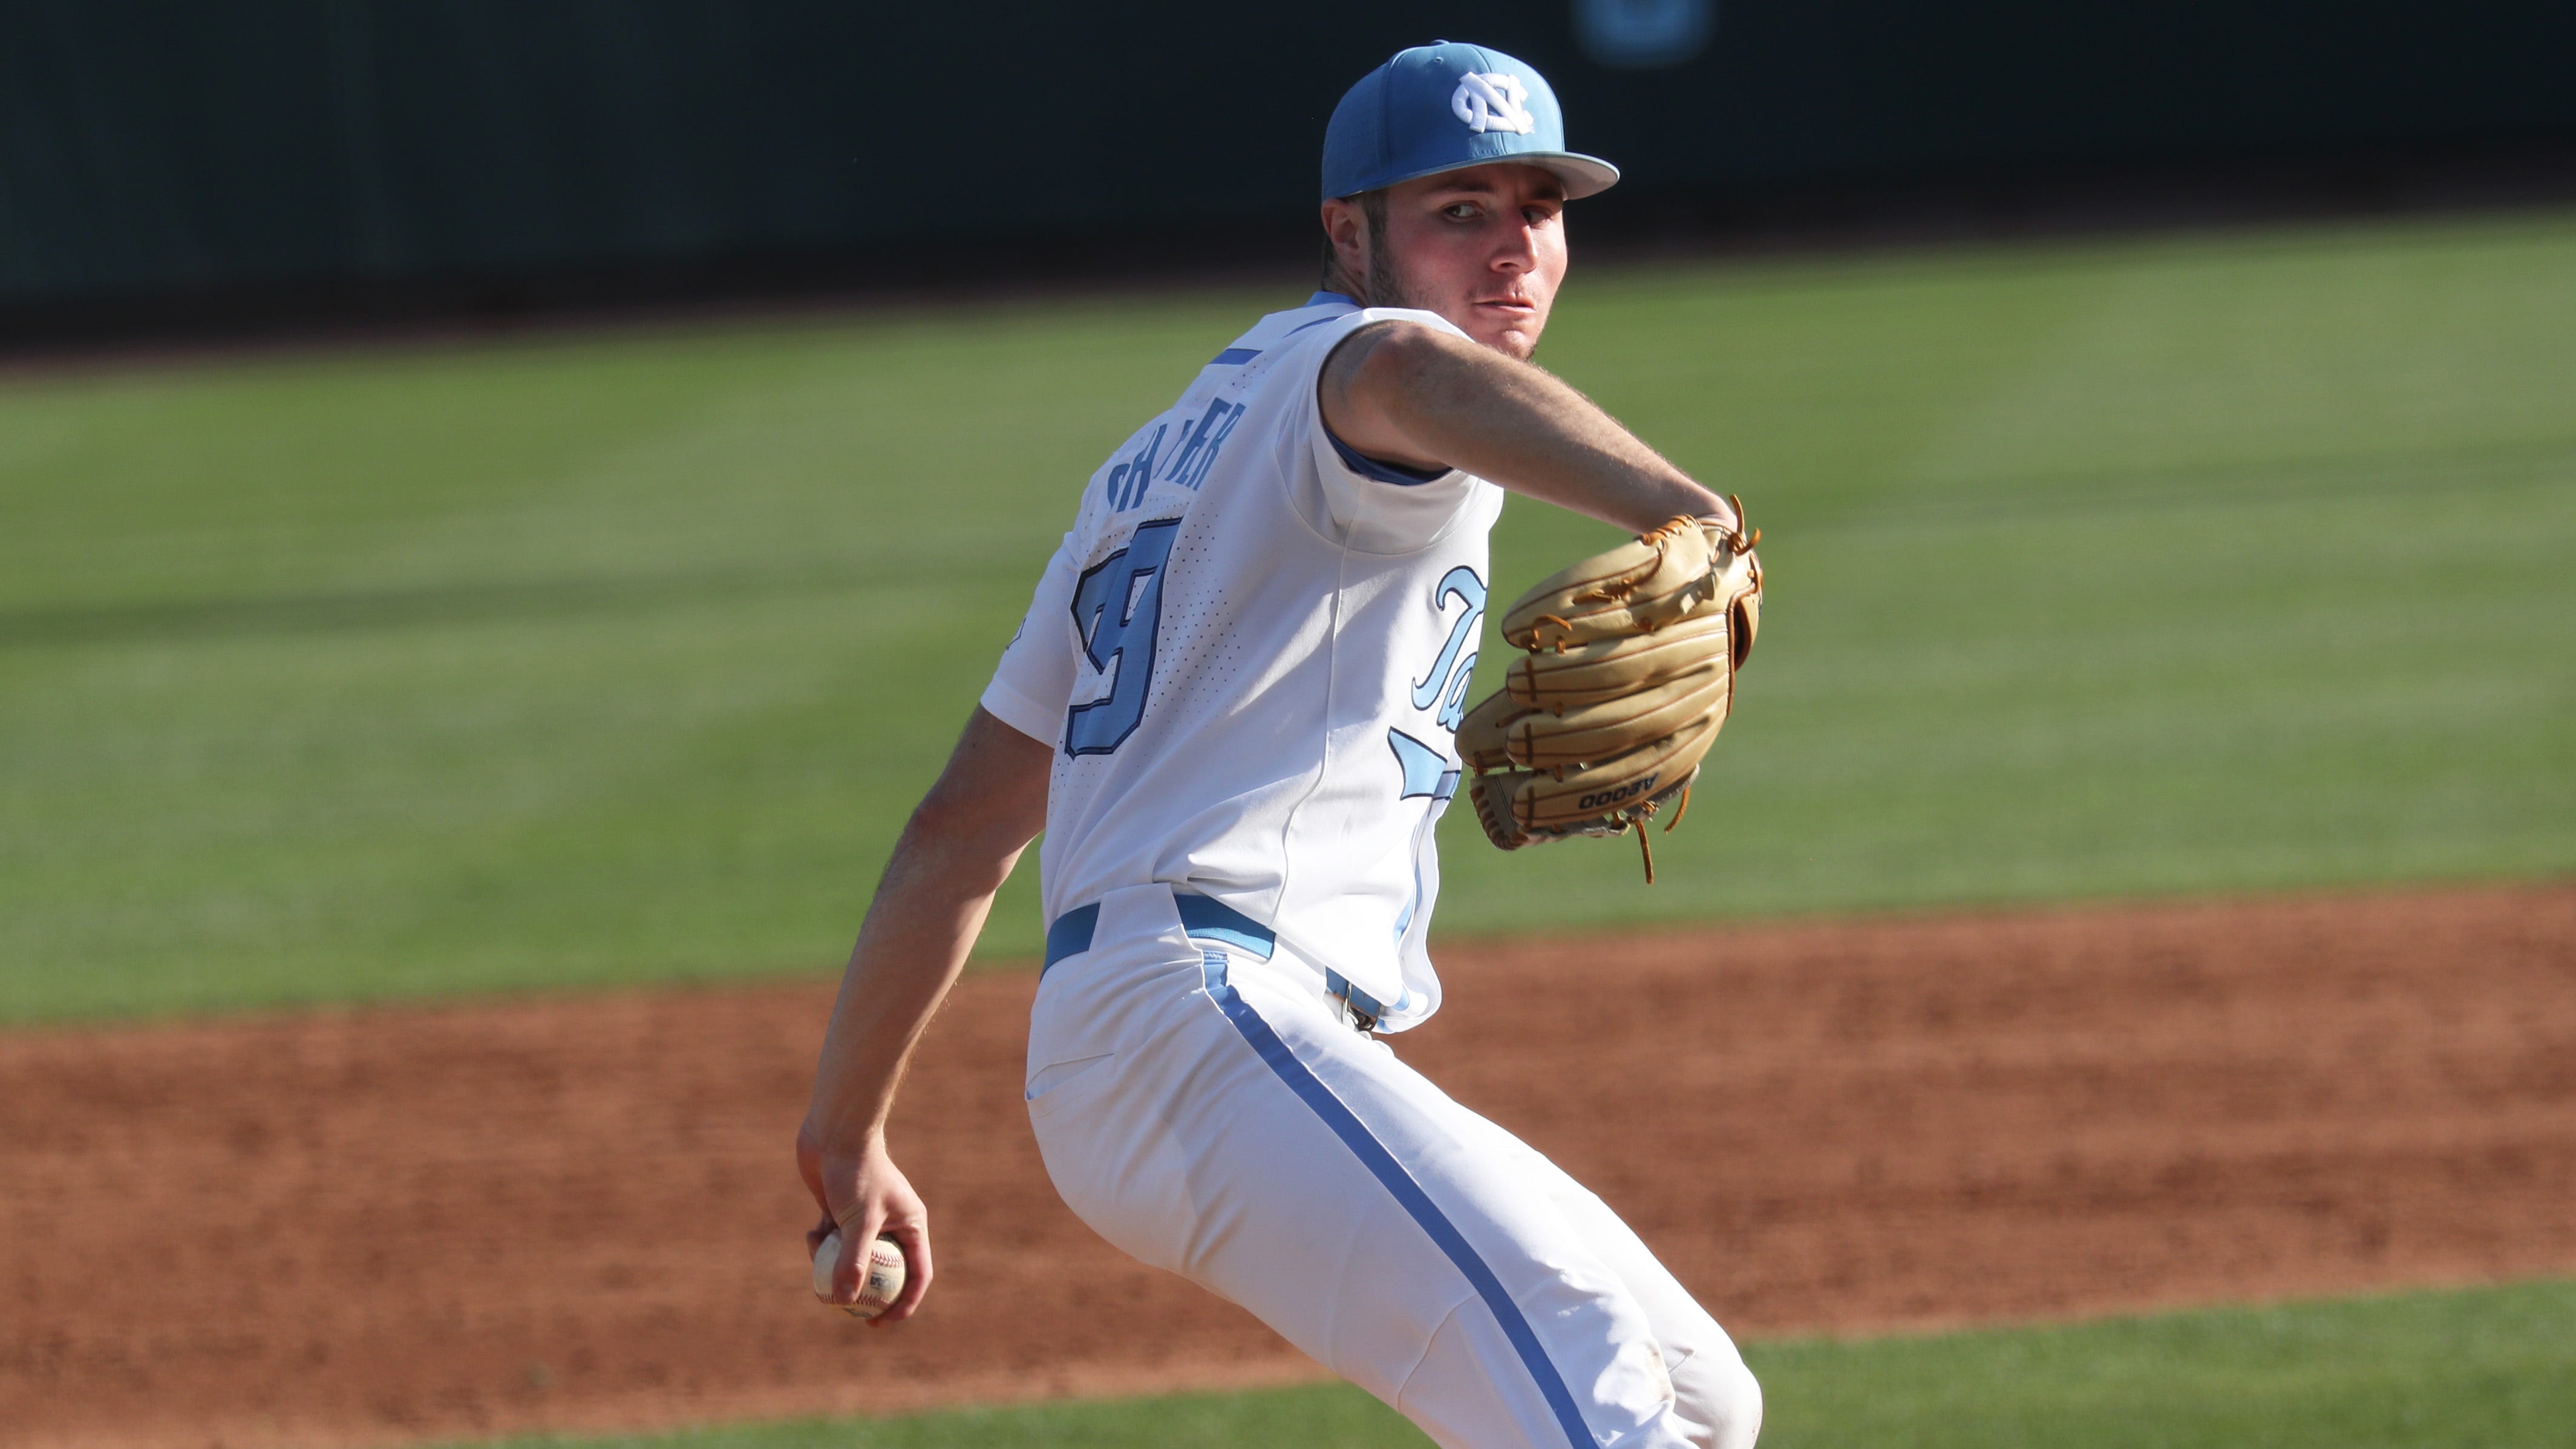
x: 959, y: 821
x: 990, y: 800
x: 955, y: 846
x: 937, y: 820
x: 974, y: 826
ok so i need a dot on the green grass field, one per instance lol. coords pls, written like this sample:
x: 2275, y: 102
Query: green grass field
x: 2486, y: 1369
x: 2110, y: 569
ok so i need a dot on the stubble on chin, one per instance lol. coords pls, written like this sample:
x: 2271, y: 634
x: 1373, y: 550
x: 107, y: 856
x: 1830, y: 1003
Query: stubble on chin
x: 1389, y: 287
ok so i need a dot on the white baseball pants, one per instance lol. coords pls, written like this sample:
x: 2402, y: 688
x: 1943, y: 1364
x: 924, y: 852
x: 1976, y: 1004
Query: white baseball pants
x: 1207, y: 1112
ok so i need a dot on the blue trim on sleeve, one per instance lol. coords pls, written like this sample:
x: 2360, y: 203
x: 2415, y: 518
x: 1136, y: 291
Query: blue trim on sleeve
x: 1368, y: 467
x: 1391, y: 1174
x: 1233, y: 355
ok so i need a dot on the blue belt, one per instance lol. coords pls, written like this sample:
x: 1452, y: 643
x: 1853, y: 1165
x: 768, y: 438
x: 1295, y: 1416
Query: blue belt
x: 1204, y: 919
x: 1208, y: 920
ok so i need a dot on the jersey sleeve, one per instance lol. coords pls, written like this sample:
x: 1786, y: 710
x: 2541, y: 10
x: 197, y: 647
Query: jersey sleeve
x: 1372, y: 506
x: 1034, y: 683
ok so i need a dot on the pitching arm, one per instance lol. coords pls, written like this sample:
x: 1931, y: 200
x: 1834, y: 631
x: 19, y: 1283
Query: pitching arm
x: 1404, y: 393
x: 930, y: 904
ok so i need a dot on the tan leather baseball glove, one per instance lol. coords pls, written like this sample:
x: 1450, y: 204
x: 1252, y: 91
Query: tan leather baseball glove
x: 1630, y: 670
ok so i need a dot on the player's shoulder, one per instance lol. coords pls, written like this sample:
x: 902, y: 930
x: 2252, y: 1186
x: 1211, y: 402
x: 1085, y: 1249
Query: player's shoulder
x: 1282, y: 334
x: 1254, y: 396
x: 1329, y: 316
x: 1279, y: 359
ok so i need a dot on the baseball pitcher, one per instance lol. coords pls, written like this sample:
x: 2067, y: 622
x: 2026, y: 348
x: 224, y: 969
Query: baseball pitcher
x: 1237, y: 707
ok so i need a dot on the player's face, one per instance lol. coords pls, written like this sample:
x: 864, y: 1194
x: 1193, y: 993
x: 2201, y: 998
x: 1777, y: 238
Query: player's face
x: 1483, y: 247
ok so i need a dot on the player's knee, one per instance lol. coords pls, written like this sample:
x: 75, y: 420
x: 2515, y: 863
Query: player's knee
x: 1722, y: 1401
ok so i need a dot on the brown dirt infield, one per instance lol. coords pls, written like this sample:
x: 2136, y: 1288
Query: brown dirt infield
x: 359, y: 1227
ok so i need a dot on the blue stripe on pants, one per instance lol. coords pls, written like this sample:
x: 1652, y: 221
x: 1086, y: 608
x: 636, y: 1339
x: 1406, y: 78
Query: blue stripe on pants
x: 1373, y: 1154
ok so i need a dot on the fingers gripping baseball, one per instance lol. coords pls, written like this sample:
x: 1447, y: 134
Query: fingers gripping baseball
x: 864, y: 1198
x: 880, y: 1282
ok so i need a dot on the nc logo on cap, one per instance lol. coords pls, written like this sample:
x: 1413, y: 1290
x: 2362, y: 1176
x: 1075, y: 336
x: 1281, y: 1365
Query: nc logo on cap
x: 1443, y: 107
x: 1493, y: 101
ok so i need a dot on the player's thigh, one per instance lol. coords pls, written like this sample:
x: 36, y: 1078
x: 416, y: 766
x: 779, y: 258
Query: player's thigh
x: 1103, y: 1065
x: 1185, y: 1149
x: 1355, y: 1208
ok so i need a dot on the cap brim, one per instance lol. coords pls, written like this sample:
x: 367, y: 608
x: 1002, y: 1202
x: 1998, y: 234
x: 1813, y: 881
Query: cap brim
x: 1583, y: 175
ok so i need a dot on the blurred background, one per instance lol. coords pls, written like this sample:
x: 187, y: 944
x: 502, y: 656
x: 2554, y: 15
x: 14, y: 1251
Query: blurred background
x: 503, y: 508
x: 173, y: 164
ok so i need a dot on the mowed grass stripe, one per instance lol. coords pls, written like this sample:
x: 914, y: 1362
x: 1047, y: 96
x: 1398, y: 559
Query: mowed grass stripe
x: 2481, y: 1369
x: 2101, y: 570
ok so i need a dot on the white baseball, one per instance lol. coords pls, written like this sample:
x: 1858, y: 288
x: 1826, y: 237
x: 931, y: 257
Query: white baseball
x: 879, y: 1286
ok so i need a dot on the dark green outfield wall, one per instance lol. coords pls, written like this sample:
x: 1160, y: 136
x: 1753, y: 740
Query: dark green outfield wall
x: 153, y: 145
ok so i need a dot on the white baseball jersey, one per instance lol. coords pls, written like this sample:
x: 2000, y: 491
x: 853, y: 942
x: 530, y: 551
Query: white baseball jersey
x: 1251, y: 654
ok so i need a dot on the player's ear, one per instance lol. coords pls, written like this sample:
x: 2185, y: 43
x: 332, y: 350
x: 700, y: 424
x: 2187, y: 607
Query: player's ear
x: 1346, y: 232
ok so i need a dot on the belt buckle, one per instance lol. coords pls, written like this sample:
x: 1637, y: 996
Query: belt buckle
x: 1348, y: 1001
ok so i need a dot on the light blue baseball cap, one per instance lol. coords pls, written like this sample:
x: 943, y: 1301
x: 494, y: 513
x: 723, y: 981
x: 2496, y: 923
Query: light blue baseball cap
x: 1441, y: 106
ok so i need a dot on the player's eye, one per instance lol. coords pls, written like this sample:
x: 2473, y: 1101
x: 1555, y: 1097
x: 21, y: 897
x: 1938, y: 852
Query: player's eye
x: 1460, y: 211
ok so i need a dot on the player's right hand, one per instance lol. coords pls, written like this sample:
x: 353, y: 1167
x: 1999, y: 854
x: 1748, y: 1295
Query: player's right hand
x: 863, y: 1194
